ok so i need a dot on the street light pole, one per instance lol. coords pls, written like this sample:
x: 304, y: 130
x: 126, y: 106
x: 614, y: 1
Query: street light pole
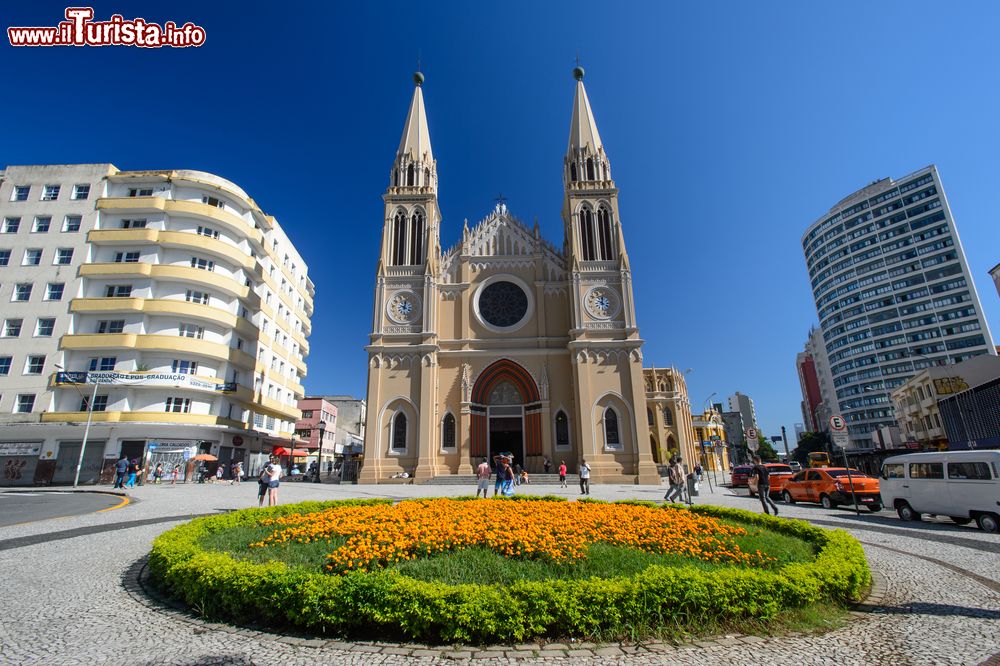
x: 319, y: 458
x: 86, y: 433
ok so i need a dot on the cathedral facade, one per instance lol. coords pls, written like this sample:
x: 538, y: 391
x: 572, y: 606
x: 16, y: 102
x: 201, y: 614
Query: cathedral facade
x: 505, y: 342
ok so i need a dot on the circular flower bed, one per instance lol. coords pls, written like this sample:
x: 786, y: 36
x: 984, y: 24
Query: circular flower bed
x: 447, y: 570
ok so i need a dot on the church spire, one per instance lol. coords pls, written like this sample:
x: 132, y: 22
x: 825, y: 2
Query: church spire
x: 585, y: 158
x: 414, y: 165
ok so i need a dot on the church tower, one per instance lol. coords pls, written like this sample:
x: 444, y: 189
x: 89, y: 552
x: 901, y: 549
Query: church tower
x: 402, y: 352
x: 605, y: 348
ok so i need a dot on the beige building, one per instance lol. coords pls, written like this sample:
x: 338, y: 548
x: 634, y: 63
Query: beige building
x: 505, y: 342
x: 668, y: 415
x: 709, y: 426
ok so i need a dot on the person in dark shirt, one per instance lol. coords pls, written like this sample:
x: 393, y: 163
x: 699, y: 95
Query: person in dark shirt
x: 763, y: 485
x: 121, y: 468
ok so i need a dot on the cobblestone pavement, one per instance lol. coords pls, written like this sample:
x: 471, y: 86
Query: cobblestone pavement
x: 70, y: 594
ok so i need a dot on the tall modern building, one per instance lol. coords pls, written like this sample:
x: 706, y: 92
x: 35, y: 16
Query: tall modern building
x: 893, y: 292
x: 816, y: 383
x: 739, y: 402
x: 162, y: 306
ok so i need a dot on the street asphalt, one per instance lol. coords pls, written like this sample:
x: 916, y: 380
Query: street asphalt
x: 27, y: 507
x: 71, y: 595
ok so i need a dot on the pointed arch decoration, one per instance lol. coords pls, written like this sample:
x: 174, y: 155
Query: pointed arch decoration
x: 521, y: 380
x: 590, y: 169
x: 587, y: 240
x: 398, y: 250
x: 416, y: 239
x: 572, y: 172
x: 605, y: 235
x: 410, y: 176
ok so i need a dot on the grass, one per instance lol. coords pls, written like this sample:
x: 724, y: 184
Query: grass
x: 480, y: 565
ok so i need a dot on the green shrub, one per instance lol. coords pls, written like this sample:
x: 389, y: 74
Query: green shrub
x: 387, y: 603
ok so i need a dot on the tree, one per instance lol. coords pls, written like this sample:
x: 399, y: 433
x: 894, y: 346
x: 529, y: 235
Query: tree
x: 809, y: 443
x: 765, y: 450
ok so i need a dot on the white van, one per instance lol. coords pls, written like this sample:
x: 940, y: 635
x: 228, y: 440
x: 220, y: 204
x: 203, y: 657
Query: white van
x: 963, y: 485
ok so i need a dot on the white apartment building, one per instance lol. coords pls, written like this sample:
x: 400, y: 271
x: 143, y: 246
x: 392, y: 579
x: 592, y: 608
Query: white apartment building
x: 742, y: 403
x: 168, y: 297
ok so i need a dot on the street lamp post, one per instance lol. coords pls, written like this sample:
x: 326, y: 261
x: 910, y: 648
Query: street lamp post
x: 86, y: 433
x: 319, y: 458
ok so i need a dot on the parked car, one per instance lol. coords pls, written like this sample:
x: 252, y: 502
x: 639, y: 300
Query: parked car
x: 830, y: 487
x: 963, y: 485
x: 778, y: 475
x: 794, y: 464
x: 739, y: 476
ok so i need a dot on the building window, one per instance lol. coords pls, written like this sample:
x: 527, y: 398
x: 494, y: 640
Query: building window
x: 32, y: 257
x: 64, y: 256
x: 111, y: 326
x: 25, y: 403
x: 20, y: 193
x: 81, y: 192
x: 649, y: 417
x: 203, y: 264
x: 587, y: 241
x: 416, y: 239
x: 72, y: 223
x: 590, y: 169
x: 184, y: 367
x: 4, y: 257
x: 22, y: 292
x: 35, y: 365
x: 399, y: 432
x: 104, y: 364
x: 133, y: 224
x: 100, y: 403
x: 131, y: 257
x: 191, y: 331
x: 44, y: 327
x: 118, y: 291
x: 41, y: 225
x: 193, y: 296
x: 611, y: 436
x: 12, y: 328
x: 605, y: 235
x: 54, y: 291
x: 208, y: 231
x: 562, y: 430
x: 11, y: 225
x: 50, y: 193
x: 140, y: 191
x: 448, y: 432
x: 5, y: 362
x: 180, y: 405
x: 399, y: 239
x: 213, y: 201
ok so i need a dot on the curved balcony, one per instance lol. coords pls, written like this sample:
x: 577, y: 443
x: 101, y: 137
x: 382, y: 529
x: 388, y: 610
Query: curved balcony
x: 158, y: 343
x: 271, y: 407
x: 176, y: 239
x: 168, y: 307
x: 194, y: 209
x: 172, y: 272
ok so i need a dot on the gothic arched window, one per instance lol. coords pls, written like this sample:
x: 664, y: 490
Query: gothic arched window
x: 448, y: 432
x: 562, y: 430
x: 668, y: 416
x: 605, y: 234
x: 395, y: 177
x: 611, y: 436
x: 587, y: 234
x: 416, y: 239
x: 590, y: 169
x: 649, y: 416
x: 398, y: 251
x: 427, y: 177
x: 399, y: 431
x: 572, y: 172
x: 409, y: 176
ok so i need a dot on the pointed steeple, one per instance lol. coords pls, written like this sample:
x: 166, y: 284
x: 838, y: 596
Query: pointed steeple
x: 585, y: 158
x: 414, y: 165
x: 582, y: 129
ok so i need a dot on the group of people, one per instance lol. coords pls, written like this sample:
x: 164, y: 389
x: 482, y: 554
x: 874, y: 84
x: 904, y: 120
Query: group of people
x: 507, y: 475
x: 268, y: 481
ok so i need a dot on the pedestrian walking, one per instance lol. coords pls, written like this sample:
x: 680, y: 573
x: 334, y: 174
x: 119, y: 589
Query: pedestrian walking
x: 698, y: 471
x: 237, y: 474
x: 121, y: 470
x: 763, y: 485
x: 262, y: 479
x: 158, y: 473
x: 562, y: 474
x: 508, y: 480
x: 483, y: 473
x: 675, y: 476
x: 498, y: 483
x: 584, y: 478
x: 273, y: 481
x: 547, y: 464
x: 218, y: 474
x: 517, y: 474
x: 133, y: 469
x: 175, y: 474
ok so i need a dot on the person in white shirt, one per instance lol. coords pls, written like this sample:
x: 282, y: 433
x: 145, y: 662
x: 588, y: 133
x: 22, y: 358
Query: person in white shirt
x: 584, y: 478
x: 273, y: 475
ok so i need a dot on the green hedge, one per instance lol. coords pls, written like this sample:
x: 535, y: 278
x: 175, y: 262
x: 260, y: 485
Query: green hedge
x: 386, y: 603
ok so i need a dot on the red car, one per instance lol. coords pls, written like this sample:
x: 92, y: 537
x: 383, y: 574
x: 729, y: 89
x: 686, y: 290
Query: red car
x: 740, y: 475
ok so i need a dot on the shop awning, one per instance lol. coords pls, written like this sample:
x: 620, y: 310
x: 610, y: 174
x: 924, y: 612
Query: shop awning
x: 295, y: 453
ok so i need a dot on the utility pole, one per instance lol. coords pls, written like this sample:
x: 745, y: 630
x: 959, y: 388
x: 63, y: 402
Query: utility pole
x: 784, y: 439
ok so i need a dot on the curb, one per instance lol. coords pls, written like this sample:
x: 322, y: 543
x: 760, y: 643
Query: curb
x: 137, y: 584
x: 59, y: 489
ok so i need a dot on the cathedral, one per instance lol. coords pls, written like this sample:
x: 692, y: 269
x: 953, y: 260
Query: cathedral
x: 505, y: 342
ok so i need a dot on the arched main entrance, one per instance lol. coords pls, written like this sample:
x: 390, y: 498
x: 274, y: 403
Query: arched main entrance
x: 506, y: 414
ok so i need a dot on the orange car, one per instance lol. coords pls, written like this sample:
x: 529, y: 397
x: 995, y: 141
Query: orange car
x: 777, y: 475
x: 830, y: 487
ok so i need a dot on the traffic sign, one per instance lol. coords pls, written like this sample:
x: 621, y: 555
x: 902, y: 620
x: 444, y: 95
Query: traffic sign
x: 841, y: 439
x: 751, y: 433
x: 837, y: 423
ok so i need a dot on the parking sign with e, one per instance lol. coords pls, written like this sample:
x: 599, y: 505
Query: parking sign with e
x: 837, y: 423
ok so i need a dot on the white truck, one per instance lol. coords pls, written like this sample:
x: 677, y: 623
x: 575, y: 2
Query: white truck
x: 962, y: 485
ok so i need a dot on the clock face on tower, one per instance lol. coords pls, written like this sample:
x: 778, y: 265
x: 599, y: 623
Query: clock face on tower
x: 601, y: 303
x: 403, y: 307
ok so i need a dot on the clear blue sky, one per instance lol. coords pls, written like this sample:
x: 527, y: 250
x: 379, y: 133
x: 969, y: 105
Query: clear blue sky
x: 730, y: 127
